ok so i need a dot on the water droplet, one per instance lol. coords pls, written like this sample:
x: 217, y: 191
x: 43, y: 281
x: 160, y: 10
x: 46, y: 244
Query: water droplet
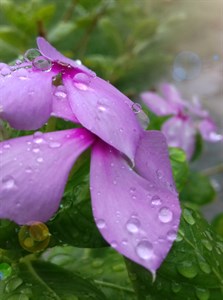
x: 39, y: 159
x: 78, y: 61
x: 42, y: 63
x: 188, y: 269
x: 202, y: 294
x: 101, y: 223
x: 8, y: 182
x: 124, y: 242
x: 55, y: 145
x: 187, y: 65
x: 159, y: 174
x: 35, y: 150
x: 165, y: 215
x: 156, y: 201
x: 176, y: 287
x: 204, y: 266
x: 143, y: 119
x: 171, y: 235
x: 133, y: 225
x: 13, y: 284
x: 6, y: 146
x: 28, y: 170
x: 144, y: 250
x: 136, y: 108
x: 31, y: 54
x: 38, y: 137
x: 60, y: 94
x: 114, y: 244
x: 5, y: 71
x: 188, y: 217
x: 207, y: 244
x: 82, y: 78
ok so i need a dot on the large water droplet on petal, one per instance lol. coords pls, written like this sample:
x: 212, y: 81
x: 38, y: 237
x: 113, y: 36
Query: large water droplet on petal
x: 31, y: 54
x: 55, y: 145
x: 38, y: 137
x: 136, y: 108
x: 144, y: 250
x: 42, y: 63
x: 156, y: 201
x: 133, y: 225
x: 100, y: 223
x: 82, y: 78
x: 5, y: 71
x: 165, y: 215
x: 8, y: 182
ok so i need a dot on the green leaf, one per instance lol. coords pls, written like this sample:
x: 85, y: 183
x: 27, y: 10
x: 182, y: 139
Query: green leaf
x: 198, y: 147
x: 198, y: 189
x: 192, y: 270
x: 104, y: 266
x: 45, y: 281
x: 74, y: 223
x: 217, y: 224
x: 179, y: 166
x: 61, y: 30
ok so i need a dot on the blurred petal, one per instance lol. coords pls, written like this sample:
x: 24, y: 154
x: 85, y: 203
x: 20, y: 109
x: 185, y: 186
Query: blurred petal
x: 106, y: 112
x: 173, y: 97
x: 34, y: 171
x: 208, y: 131
x: 51, y: 53
x: 137, y: 217
x: 180, y: 133
x: 158, y: 105
x: 26, y: 98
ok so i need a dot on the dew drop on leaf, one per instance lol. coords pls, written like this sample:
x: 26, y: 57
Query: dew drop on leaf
x: 188, y: 269
x: 202, y: 294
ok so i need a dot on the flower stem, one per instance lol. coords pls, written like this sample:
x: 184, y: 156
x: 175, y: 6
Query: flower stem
x: 213, y: 170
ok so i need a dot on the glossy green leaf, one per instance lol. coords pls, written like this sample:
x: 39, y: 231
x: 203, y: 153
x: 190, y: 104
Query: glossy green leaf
x: 41, y: 280
x: 179, y: 166
x: 74, y: 224
x: 217, y: 224
x: 198, y: 147
x: 198, y: 189
x: 192, y: 270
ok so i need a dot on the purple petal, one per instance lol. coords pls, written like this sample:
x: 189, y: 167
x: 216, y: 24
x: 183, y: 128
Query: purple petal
x: 106, y: 112
x: 171, y: 94
x: 51, y: 53
x: 34, y: 171
x: 158, y: 105
x: 208, y: 130
x: 152, y: 159
x: 26, y: 98
x: 61, y: 106
x: 137, y: 217
x: 180, y: 133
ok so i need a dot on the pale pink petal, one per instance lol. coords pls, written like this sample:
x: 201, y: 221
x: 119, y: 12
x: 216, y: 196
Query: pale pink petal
x: 34, y: 171
x: 137, y: 217
x: 180, y: 133
x: 106, y: 112
x: 172, y: 96
x: 158, y: 105
x: 208, y: 130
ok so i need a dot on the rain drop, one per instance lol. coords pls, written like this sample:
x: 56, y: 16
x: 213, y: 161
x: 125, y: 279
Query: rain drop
x: 136, y: 108
x: 100, y: 223
x: 60, y: 94
x: 6, y: 146
x: 133, y: 225
x: 156, y: 201
x: 31, y: 54
x: 5, y: 271
x: 42, y: 63
x: 39, y: 159
x: 171, y: 235
x: 38, y: 137
x: 114, y: 244
x: 8, y: 182
x: 165, y: 215
x: 159, y: 174
x: 207, y: 244
x: 55, y: 145
x: 188, y: 269
x: 5, y: 71
x: 202, y: 294
x: 188, y: 217
x: 204, y: 266
x: 144, y: 250
x: 176, y: 287
x: 82, y: 78
x: 13, y: 284
x: 187, y: 65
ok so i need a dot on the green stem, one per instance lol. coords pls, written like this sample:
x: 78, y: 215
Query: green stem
x: 213, y: 170
x: 51, y: 124
x: 114, y: 286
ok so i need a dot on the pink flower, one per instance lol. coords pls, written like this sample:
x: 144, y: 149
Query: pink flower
x: 133, y: 195
x: 187, y: 119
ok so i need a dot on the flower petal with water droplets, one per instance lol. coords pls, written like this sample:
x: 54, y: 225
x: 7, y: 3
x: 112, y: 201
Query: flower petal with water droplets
x: 34, y: 171
x: 26, y: 99
x: 134, y: 222
x: 103, y: 110
x: 51, y: 53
